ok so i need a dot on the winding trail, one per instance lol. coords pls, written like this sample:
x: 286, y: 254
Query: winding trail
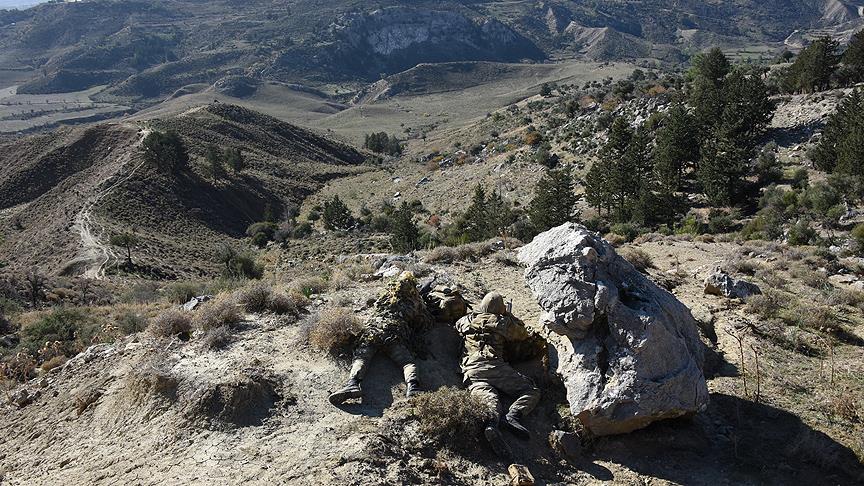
x: 95, y: 253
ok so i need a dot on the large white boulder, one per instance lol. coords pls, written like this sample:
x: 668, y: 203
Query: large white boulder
x: 627, y: 350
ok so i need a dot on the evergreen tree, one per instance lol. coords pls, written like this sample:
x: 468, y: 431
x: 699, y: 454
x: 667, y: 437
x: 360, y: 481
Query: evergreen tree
x: 747, y: 108
x: 676, y: 148
x: 815, y: 65
x: 722, y: 169
x: 706, y: 91
x: 554, y: 201
x: 615, y: 182
x: 336, y: 215
x: 841, y: 148
x: 474, y: 222
x: 404, y: 234
x: 235, y: 160
x: 214, y: 158
x: 166, y: 151
x: 853, y: 58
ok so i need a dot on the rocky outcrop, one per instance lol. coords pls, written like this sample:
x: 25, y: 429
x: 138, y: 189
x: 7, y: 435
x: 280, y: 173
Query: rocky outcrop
x: 627, y: 350
x: 397, y: 38
x: 722, y: 284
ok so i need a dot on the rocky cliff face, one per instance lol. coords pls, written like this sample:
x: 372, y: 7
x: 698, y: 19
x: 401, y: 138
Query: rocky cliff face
x: 628, y: 351
x: 394, y: 39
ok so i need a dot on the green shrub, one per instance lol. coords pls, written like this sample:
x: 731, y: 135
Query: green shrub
x: 801, y: 234
x: 308, y: 286
x: 182, y: 292
x: 262, y: 233
x: 129, y: 322
x: 63, y: 325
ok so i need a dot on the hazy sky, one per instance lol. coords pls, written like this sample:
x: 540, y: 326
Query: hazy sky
x: 18, y: 3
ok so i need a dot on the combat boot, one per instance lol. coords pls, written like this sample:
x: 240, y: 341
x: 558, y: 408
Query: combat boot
x: 350, y: 390
x: 412, y: 389
x: 496, y: 441
x: 512, y: 421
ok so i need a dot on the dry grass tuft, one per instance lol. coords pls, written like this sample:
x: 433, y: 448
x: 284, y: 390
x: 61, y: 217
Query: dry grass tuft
x: 469, y: 252
x: 219, y: 312
x: 450, y: 417
x: 217, y: 338
x: 309, y: 286
x: 638, y: 258
x: 766, y: 305
x: 335, y: 330
x: 261, y: 297
x: 171, y: 323
x: 846, y: 406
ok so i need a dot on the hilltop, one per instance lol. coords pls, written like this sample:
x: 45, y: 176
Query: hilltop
x: 57, y: 189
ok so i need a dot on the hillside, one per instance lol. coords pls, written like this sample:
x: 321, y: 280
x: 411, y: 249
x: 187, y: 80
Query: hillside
x: 57, y: 190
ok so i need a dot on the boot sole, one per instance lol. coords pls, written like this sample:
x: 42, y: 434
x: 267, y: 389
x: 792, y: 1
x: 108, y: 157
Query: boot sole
x: 339, y: 398
x: 499, y: 447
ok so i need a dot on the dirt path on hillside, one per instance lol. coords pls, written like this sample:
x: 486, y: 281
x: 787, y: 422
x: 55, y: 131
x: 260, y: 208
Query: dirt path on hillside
x: 95, y: 253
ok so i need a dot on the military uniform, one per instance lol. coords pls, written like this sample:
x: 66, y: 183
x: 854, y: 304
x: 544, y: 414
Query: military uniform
x: 400, y: 316
x: 492, y: 338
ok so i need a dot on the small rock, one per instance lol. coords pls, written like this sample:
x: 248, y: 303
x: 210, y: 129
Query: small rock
x: 195, y: 302
x: 520, y: 475
x: 566, y: 444
x: 722, y: 284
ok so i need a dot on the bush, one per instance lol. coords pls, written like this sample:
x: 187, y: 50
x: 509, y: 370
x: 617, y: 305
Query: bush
x: 61, y: 325
x: 639, y: 258
x: 450, y: 417
x: 142, y: 293
x: 238, y: 264
x: 172, y: 323
x: 219, y: 312
x: 218, y: 338
x: 182, y: 292
x: 335, y: 330
x: 309, y: 286
x: 129, y: 322
x: 260, y: 297
x: 262, y: 233
x: 767, y: 305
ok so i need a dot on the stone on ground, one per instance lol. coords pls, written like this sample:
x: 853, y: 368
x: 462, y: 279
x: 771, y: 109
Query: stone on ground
x: 722, y: 284
x: 627, y: 350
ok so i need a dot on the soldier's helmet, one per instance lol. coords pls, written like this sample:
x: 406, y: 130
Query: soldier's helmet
x: 493, y: 303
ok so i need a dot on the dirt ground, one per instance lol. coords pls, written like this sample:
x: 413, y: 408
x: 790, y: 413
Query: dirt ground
x: 146, y: 411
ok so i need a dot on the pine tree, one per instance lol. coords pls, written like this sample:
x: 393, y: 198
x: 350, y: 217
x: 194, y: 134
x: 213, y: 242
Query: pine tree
x: 747, y: 108
x: 126, y: 240
x: 214, y: 158
x: 722, y: 169
x: 554, y: 201
x: 235, y: 160
x: 815, y: 65
x: 404, y: 234
x: 166, y: 151
x: 614, y: 182
x: 676, y: 148
x: 853, y: 58
x: 474, y: 223
x: 839, y: 150
x: 336, y: 215
x: 706, y: 91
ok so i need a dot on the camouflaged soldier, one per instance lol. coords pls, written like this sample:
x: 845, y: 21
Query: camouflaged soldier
x: 400, y: 315
x: 493, y: 338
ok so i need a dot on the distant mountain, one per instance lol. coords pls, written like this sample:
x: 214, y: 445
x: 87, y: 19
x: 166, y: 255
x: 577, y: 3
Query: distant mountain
x: 146, y: 50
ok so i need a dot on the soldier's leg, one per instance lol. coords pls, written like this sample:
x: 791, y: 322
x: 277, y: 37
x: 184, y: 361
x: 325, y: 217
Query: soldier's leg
x: 362, y: 356
x: 517, y: 385
x: 401, y: 355
x: 489, y: 395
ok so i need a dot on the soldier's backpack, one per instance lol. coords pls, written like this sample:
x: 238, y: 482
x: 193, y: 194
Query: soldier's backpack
x: 445, y: 304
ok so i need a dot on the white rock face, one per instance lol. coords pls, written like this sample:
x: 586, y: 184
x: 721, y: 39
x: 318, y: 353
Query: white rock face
x: 627, y: 350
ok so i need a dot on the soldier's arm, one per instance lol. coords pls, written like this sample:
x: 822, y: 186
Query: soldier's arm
x: 514, y: 329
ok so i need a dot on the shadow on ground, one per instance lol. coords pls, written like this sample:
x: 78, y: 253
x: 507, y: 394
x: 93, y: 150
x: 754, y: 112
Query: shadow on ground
x: 735, y: 441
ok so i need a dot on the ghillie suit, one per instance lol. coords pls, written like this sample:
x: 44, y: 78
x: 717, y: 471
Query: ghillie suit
x: 399, y: 318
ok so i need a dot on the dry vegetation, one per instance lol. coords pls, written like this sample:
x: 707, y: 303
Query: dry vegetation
x: 335, y: 329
